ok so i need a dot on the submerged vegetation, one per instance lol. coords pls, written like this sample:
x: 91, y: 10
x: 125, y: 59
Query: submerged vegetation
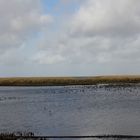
x: 63, y: 81
x: 16, y: 136
x: 31, y: 136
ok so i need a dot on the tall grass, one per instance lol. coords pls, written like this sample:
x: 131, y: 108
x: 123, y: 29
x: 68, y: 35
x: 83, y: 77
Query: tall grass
x: 62, y: 81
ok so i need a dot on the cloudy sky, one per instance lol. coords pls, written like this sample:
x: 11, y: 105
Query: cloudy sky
x: 69, y: 37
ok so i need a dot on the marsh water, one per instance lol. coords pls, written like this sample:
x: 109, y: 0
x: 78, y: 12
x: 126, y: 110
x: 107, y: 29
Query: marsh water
x: 71, y: 110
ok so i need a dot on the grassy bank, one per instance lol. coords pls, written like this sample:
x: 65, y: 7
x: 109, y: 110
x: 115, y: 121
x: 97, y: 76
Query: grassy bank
x: 62, y: 81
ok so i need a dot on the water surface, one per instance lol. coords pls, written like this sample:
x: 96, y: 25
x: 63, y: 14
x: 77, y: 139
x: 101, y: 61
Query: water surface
x: 71, y: 110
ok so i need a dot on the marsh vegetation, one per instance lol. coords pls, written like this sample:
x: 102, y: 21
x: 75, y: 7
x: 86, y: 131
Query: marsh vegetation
x: 62, y: 81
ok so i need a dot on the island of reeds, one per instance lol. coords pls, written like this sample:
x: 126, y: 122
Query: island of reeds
x: 64, y: 81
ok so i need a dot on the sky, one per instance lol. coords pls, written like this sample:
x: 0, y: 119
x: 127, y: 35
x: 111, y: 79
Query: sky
x: 69, y: 37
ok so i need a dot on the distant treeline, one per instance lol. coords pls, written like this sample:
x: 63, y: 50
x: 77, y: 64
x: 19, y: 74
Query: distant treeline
x: 64, y: 81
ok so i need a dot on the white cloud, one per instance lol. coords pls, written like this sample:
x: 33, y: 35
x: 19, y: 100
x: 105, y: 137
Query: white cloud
x: 107, y: 17
x: 48, y: 58
x: 102, y: 36
x: 101, y: 33
x: 20, y: 20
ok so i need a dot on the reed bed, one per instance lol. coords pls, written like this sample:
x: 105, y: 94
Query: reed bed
x: 64, y: 81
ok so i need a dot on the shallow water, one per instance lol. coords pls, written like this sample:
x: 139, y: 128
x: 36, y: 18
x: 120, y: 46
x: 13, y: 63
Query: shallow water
x: 71, y: 110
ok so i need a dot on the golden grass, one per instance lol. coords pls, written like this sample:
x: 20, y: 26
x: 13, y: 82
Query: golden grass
x: 62, y: 81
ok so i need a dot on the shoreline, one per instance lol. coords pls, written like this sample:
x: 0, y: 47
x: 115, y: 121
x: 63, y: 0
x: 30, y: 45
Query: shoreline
x: 66, y: 81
